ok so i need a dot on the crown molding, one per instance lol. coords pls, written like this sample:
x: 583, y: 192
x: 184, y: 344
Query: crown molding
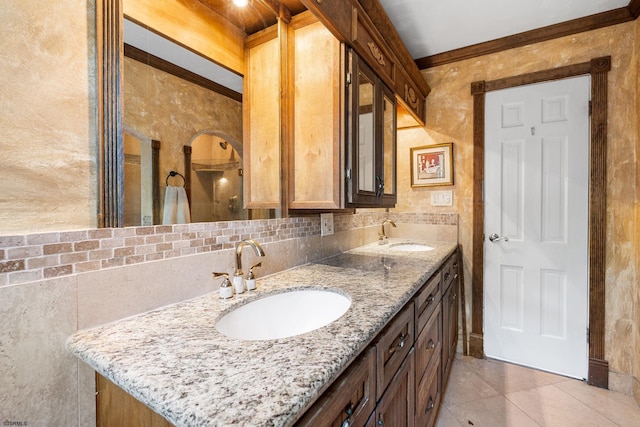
x: 588, y: 23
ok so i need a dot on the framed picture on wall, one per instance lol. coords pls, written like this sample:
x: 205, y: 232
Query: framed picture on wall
x: 432, y: 165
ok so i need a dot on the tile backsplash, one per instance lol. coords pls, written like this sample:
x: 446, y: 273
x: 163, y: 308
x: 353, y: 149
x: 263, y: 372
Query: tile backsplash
x: 32, y: 257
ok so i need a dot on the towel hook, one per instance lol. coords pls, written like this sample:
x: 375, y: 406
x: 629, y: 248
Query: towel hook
x: 174, y: 173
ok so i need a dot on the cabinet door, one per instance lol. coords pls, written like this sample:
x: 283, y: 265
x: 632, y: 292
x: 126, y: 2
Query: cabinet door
x: 394, y: 344
x: 117, y: 408
x: 371, y: 157
x: 449, y: 327
x: 397, y: 406
x: 318, y: 118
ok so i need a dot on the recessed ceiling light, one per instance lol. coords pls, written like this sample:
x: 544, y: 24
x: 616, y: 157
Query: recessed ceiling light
x: 240, y: 3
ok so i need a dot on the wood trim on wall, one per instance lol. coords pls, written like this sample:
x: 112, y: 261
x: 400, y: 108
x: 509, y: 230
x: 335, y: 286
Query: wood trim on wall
x: 634, y: 8
x: 575, y: 26
x: 111, y: 128
x: 166, y: 66
x: 598, y: 68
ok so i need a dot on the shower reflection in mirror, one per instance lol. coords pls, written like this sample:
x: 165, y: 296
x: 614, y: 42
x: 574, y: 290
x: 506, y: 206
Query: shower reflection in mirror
x: 216, y: 179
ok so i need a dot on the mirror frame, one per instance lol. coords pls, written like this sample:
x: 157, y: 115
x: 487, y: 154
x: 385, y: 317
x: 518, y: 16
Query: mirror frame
x: 110, y: 53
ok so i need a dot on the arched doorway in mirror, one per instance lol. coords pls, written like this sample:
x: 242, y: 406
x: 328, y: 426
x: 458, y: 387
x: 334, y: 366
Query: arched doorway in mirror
x: 213, y: 167
x: 215, y: 189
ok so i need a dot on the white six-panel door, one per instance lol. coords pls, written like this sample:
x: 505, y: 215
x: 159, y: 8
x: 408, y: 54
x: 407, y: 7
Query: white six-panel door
x: 536, y: 195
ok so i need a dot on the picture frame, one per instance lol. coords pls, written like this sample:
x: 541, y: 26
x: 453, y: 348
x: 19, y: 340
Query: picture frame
x: 432, y: 165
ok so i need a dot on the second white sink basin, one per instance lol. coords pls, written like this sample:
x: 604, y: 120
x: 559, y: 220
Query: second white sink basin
x: 283, y: 315
x: 411, y: 247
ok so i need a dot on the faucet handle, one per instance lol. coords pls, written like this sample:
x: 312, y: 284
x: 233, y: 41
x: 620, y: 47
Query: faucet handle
x: 250, y: 275
x: 226, y: 290
x: 251, y: 279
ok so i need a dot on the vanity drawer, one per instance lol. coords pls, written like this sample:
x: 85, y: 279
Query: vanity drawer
x: 351, y: 398
x: 426, y: 301
x: 449, y: 272
x: 393, y: 345
x: 428, y: 397
x: 429, y: 344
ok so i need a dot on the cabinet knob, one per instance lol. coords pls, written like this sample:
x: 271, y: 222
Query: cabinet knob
x: 401, y: 339
x: 431, y: 345
x: 430, y: 405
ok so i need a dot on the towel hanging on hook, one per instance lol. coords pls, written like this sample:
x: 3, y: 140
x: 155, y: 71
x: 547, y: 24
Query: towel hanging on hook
x: 174, y: 173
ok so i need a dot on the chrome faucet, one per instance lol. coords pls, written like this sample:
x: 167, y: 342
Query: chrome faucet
x: 382, y: 236
x: 256, y: 247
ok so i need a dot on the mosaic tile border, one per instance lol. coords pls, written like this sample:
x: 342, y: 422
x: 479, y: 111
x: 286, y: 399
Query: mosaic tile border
x: 31, y: 257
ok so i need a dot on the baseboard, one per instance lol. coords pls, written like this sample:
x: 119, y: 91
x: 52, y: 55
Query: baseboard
x: 598, y: 373
x: 476, y: 345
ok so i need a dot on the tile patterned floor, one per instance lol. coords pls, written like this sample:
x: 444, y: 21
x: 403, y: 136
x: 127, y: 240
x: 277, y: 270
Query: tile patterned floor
x: 489, y: 393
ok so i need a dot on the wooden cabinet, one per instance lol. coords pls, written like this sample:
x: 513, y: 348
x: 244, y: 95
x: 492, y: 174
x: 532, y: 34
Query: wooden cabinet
x: 371, y: 150
x: 413, y: 354
x: 117, y: 408
x: 450, y: 313
x: 350, y: 400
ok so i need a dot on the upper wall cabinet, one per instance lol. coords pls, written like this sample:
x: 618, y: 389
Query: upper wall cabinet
x: 364, y: 25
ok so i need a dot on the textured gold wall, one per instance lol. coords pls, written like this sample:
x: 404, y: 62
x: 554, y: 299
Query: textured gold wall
x: 47, y: 121
x: 173, y: 111
x: 636, y: 384
x: 449, y: 118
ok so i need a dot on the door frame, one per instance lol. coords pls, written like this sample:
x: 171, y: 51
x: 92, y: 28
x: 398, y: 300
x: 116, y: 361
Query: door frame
x: 598, y: 68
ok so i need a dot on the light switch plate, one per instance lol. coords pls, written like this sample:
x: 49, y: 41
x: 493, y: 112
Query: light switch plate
x: 442, y: 198
x: 326, y: 224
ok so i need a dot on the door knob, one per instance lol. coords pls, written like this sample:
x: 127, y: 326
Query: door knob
x: 495, y: 238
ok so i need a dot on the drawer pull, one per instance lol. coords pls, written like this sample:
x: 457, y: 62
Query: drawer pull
x: 446, y: 275
x: 380, y: 421
x: 431, y: 345
x: 349, y: 412
x: 430, y: 405
x: 400, y: 345
x: 431, y: 298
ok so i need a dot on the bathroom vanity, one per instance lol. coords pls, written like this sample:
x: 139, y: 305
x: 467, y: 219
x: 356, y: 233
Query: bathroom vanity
x: 385, y: 361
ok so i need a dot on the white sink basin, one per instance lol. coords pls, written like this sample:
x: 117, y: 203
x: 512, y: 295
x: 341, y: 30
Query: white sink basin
x: 411, y: 247
x: 283, y: 315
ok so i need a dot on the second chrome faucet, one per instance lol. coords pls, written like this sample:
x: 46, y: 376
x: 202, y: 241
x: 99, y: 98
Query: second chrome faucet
x: 382, y: 236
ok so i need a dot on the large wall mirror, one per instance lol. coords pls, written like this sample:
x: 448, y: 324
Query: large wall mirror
x: 162, y: 94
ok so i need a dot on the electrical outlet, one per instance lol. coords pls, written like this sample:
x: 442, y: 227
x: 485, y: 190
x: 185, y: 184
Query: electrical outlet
x: 326, y: 224
x: 442, y: 198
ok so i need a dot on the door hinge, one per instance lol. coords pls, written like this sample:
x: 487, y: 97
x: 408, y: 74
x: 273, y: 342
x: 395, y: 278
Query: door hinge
x: 587, y: 335
x: 348, y: 80
x: 348, y: 173
x: 590, y: 107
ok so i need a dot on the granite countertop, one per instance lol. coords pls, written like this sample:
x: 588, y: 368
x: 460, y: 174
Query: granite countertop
x: 175, y: 361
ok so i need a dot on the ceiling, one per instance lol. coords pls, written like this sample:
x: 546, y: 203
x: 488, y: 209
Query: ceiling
x: 429, y: 27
